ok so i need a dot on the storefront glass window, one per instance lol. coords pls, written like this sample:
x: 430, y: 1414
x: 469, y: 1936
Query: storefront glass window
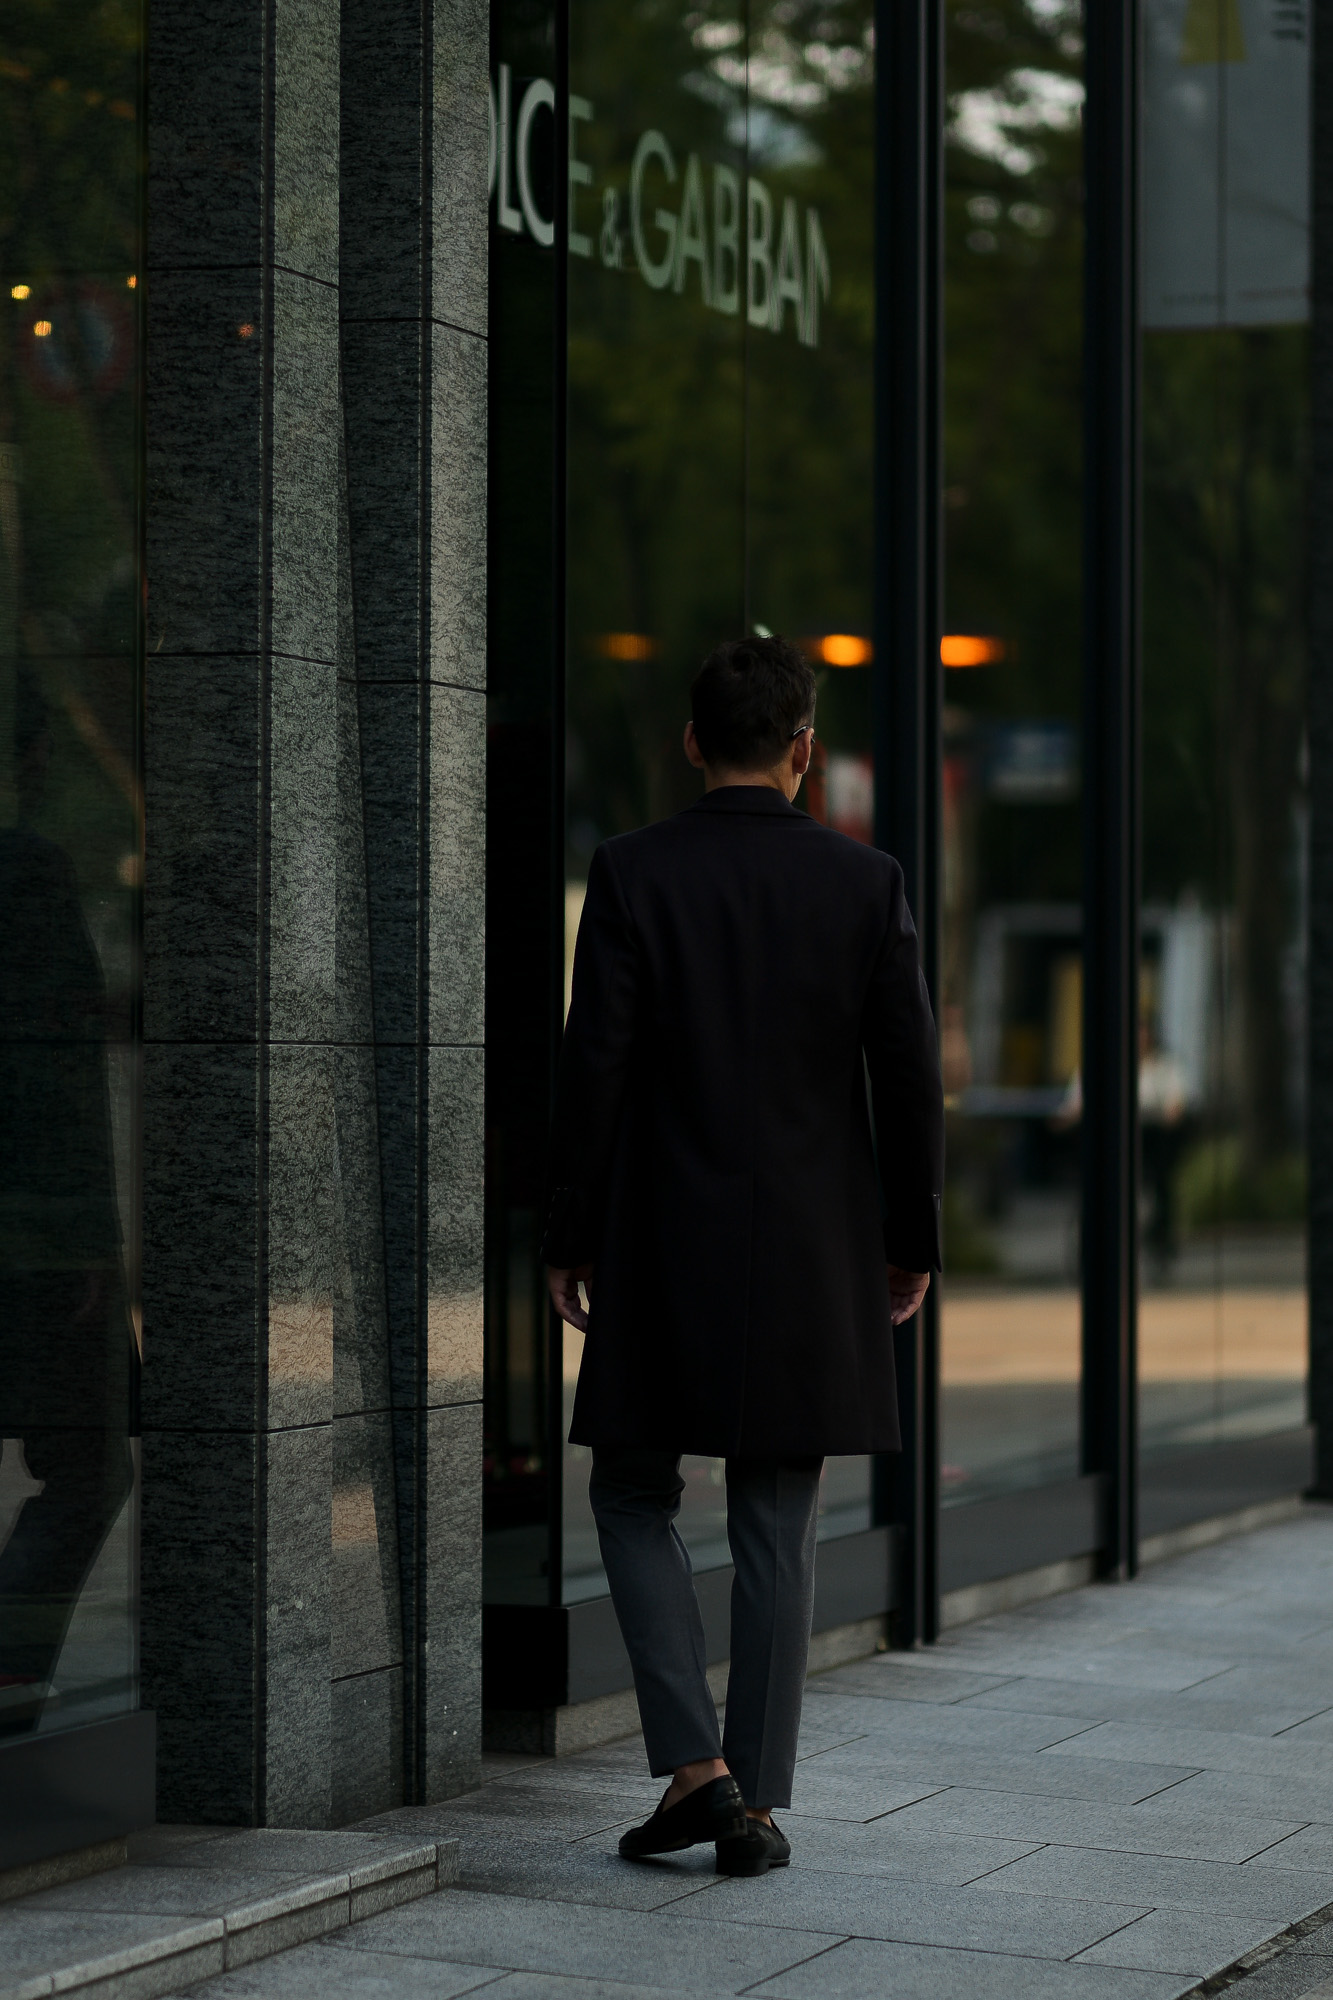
x: 70, y: 860
x: 1222, y: 1315
x: 716, y: 477
x: 720, y: 441
x: 1011, y: 1000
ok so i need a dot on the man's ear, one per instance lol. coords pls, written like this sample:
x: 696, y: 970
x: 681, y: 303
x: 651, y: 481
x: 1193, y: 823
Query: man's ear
x: 692, y: 750
x: 802, y: 751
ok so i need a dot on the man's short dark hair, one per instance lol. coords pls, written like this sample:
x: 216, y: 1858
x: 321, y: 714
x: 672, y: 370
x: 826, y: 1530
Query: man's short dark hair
x: 750, y: 697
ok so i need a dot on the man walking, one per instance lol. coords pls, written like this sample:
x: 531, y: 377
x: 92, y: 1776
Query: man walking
x: 740, y: 971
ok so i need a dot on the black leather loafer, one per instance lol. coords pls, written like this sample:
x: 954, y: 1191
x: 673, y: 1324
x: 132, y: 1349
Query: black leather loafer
x: 758, y: 1849
x: 715, y: 1811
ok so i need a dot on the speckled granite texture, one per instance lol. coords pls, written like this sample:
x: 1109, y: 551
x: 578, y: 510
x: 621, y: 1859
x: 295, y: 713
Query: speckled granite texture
x: 314, y: 906
x: 1120, y: 1794
x: 192, y: 1901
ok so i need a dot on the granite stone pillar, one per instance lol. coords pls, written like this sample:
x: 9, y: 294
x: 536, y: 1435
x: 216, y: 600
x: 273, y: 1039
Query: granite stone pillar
x: 312, y: 1196
x: 414, y: 279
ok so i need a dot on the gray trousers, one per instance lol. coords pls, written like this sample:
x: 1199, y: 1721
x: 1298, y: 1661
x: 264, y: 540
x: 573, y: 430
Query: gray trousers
x: 771, y: 1516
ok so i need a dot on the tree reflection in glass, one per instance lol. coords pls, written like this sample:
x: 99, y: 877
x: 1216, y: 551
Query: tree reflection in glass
x: 70, y: 848
x: 721, y: 426
x: 1012, y: 873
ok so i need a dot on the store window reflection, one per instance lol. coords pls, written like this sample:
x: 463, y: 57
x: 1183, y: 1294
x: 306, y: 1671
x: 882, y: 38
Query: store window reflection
x: 1222, y: 1317
x: 1011, y: 996
x: 810, y: 422
x: 69, y: 860
x: 720, y: 441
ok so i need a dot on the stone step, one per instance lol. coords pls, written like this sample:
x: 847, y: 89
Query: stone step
x: 195, y: 1901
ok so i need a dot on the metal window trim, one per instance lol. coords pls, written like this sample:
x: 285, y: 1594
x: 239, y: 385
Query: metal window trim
x: 1111, y: 776
x: 906, y: 692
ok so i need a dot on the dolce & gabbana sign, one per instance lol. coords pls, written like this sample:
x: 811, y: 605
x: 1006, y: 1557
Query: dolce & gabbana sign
x: 680, y: 225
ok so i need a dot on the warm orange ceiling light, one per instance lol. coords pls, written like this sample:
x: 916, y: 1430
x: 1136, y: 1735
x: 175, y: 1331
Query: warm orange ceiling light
x: 627, y: 646
x: 844, y: 649
x: 969, y: 649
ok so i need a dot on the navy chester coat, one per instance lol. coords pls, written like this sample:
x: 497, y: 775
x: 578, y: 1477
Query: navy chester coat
x: 740, y: 970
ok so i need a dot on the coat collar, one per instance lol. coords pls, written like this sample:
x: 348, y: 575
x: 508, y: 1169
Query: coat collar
x: 747, y: 799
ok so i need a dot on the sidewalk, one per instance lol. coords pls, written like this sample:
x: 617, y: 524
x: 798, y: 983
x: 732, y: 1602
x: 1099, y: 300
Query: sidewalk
x: 194, y: 1901
x: 1114, y: 1794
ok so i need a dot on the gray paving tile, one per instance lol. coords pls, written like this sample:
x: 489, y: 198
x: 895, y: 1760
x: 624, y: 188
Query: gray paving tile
x: 1209, y: 1749
x: 1171, y: 1584
x: 495, y: 1763
x: 886, y: 1847
x: 819, y: 1733
x: 826, y: 1723
x: 1051, y: 1773
x: 1167, y: 1883
x: 573, y: 1775
x: 1065, y: 1782
x: 971, y: 1725
x: 944, y: 1657
x: 557, y: 1986
x: 1176, y: 1599
x: 154, y: 1843
x: 536, y: 1811
x: 1144, y: 1829
x: 864, y: 1969
x: 1284, y: 1620
x: 36, y: 1941
x: 891, y: 1725
x: 972, y: 1919
x: 1241, y: 1718
x: 626, y: 1757
x: 1309, y: 1798
x: 310, y: 1972
x: 166, y: 1891
x: 1047, y: 1694
x: 286, y: 1851
x: 1177, y: 1593
x: 641, y: 1948
x: 1311, y: 1847
x: 1316, y: 1728
x: 1247, y: 1716
x: 1252, y: 1635
x: 587, y: 1871
x: 1176, y: 1659
x: 898, y: 1677
x: 837, y: 1795
x: 1140, y: 1666
x: 1263, y: 1685
x: 1181, y: 1941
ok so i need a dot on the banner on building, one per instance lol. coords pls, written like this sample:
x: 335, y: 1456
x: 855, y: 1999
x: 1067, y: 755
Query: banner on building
x: 1226, y: 162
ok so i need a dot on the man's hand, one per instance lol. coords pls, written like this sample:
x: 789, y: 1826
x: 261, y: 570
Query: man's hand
x: 906, y: 1291
x: 564, y: 1290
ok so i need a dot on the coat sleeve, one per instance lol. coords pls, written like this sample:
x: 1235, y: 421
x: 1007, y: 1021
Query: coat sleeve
x: 902, y: 1057
x: 593, y: 1070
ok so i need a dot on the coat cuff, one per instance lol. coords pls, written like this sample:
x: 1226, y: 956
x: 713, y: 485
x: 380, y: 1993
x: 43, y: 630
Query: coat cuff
x: 568, y: 1239
x: 912, y: 1235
